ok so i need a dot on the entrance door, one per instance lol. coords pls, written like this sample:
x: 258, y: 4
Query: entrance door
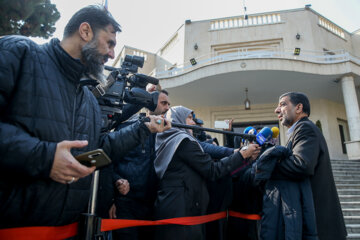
x: 344, y: 134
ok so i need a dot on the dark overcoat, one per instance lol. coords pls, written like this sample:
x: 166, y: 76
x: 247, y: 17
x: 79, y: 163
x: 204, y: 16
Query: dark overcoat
x: 310, y: 158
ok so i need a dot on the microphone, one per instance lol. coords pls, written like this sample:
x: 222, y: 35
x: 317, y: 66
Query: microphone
x: 275, y: 131
x: 264, y: 135
x: 275, y: 134
x: 251, y: 131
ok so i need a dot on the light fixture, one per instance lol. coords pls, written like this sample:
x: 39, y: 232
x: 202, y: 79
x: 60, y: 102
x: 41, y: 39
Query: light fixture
x: 196, y: 46
x: 297, y: 51
x: 297, y: 36
x: 247, y: 101
x: 193, y: 61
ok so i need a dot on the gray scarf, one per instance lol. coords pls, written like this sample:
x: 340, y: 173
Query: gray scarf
x: 167, y: 142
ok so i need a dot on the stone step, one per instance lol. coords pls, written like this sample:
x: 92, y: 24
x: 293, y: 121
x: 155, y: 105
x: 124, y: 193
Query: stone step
x: 352, y: 166
x: 349, y: 198
x: 346, y: 181
x: 353, y: 236
x: 347, y: 186
x: 344, y: 161
x: 345, y: 164
x: 350, y: 204
x: 346, y: 177
x: 353, y: 228
x: 344, y: 170
x: 349, y: 191
x: 352, y: 219
x: 346, y: 173
x: 351, y: 211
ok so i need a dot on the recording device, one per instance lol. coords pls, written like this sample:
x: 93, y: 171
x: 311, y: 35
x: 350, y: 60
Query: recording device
x: 124, y: 87
x: 96, y: 158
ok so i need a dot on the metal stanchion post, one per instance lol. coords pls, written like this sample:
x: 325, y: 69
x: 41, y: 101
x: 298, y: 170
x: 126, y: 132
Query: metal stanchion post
x: 90, y: 224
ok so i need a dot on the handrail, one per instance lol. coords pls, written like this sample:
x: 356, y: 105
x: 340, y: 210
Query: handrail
x: 337, y: 56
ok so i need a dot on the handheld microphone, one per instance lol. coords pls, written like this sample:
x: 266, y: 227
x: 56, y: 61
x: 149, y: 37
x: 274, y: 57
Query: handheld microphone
x: 251, y: 131
x: 275, y: 131
x: 264, y: 135
x: 275, y: 134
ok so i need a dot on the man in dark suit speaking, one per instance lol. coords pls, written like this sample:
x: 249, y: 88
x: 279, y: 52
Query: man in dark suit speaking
x: 310, y: 158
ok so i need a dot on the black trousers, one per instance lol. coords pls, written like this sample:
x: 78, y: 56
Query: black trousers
x: 127, y: 208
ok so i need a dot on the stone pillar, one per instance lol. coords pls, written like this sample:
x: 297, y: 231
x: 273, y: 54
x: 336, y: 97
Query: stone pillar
x: 353, y: 116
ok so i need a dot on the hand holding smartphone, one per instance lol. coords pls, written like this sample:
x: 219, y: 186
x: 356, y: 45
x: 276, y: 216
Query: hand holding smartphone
x: 96, y: 158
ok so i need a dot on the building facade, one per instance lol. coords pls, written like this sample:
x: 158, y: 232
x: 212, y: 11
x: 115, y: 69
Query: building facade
x: 208, y: 65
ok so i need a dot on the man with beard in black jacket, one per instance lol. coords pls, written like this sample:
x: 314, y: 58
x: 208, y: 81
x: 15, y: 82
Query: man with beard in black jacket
x: 310, y: 159
x: 48, y: 117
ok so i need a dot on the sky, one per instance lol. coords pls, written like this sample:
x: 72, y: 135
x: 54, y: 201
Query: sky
x: 148, y: 24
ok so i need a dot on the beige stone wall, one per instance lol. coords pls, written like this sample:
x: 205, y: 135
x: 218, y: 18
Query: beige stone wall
x: 356, y: 43
x: 313, y: 36
x: 172, y: 51
x: 329, y: 113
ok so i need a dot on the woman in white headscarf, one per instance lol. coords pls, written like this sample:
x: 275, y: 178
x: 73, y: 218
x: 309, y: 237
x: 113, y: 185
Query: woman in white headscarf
x: 183, y: 169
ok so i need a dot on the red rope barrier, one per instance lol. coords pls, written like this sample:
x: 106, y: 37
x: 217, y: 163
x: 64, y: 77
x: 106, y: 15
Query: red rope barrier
x: 39, y: 233
x: 244, y: 216
x: 111, y: 224
x: 67, y: 231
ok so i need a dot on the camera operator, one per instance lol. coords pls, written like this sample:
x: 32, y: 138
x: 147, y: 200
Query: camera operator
x: 47, y: 117
x: 136, y: 182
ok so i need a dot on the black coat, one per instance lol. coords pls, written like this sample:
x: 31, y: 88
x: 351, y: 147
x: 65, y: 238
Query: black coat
x: 183, y: 191
x: 310, y: 158
x: 288, y: 207
x: 42, y: 103
x: 137, y: 166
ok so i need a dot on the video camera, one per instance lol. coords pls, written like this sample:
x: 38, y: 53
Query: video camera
x: 124, y: 87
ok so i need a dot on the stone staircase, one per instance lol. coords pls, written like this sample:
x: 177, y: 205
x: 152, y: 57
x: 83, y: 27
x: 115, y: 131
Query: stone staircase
x: 347, y: 179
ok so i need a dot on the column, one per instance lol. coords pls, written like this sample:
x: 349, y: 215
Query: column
x: 353, y: 116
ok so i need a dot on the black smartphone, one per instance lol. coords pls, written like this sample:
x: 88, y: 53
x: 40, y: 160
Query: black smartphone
x: 96, y: 158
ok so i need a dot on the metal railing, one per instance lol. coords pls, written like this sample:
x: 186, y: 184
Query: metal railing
x: 321, y: 57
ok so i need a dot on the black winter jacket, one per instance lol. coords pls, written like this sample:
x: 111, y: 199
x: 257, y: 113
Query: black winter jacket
x: 137, y: 166
x: 42, y: 103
